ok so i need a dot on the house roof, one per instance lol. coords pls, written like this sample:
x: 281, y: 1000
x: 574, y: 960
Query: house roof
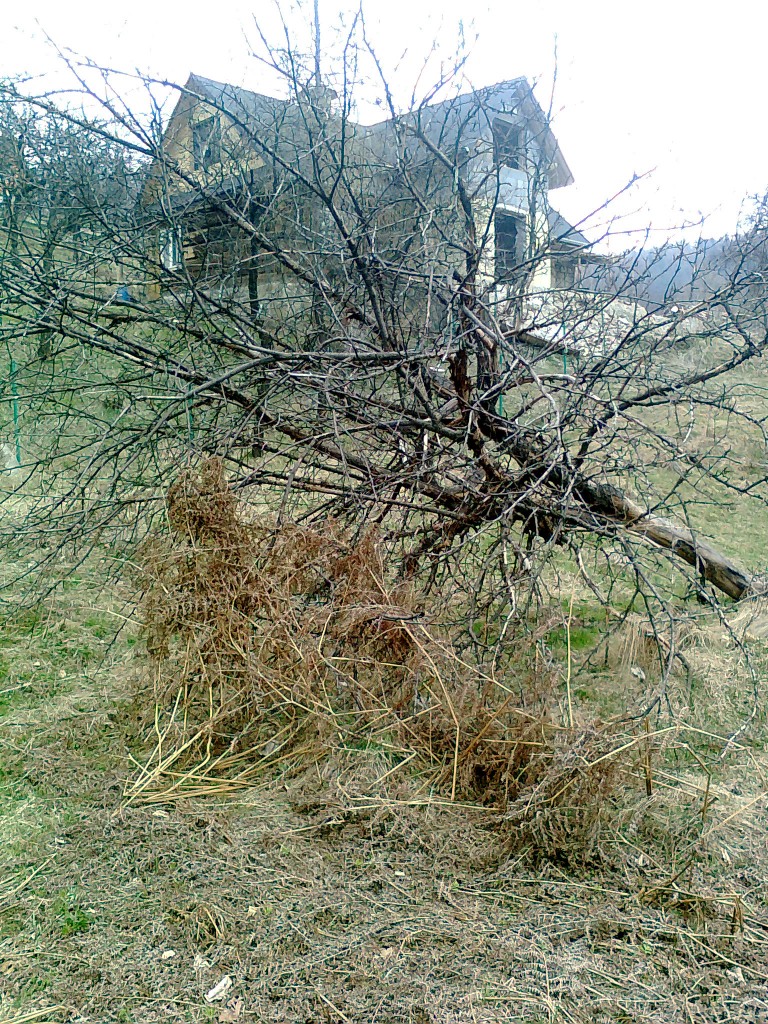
x: 563, y: 233
x: 516, y: 94
x: 231, y: 98
x: 243, y: 106
x: 512, y: 96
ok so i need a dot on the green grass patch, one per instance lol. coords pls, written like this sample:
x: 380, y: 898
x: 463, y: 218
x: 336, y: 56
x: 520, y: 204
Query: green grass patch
x: 71, y: 917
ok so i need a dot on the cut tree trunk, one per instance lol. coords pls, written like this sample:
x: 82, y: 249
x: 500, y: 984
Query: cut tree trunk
x: 612, y: 505
x: 713, y: 566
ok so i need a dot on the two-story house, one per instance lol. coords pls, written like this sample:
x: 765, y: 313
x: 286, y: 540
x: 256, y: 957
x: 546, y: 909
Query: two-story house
x: 259, y: 198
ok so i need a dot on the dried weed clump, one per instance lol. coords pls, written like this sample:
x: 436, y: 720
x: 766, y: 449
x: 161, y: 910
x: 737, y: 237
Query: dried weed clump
x: 560, y: 815
x: 281, y: 644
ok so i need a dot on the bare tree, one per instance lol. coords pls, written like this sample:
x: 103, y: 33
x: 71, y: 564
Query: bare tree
x: 379, y: 323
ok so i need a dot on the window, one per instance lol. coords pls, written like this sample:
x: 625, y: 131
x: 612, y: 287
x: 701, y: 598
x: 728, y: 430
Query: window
x: 170, y: 250
x: 508, y: 144
x: 206, y: 144
x: 510, y: 245
x: 563, y: 272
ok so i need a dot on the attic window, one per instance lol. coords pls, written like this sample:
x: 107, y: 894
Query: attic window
x: 509, y: 231
x: 508, y: 144
x: 206, y: 144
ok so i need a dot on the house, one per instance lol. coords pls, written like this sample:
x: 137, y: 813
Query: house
x: 235, y: 208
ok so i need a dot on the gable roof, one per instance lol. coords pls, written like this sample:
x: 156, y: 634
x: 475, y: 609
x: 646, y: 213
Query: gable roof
x: 232, y: 99
x: 514, y: 95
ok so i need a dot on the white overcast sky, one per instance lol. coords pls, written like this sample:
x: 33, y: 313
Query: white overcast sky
x: 674, y: 86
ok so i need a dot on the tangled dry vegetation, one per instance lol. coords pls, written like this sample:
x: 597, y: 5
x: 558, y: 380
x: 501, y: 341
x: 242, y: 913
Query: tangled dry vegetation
x: 283, y: 647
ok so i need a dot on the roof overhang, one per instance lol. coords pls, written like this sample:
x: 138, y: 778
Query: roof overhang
x: 560, y: 173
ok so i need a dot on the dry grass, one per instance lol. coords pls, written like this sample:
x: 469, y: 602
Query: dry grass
x: 327, y: 914
x: 329, y: 892
x: 277, y: 648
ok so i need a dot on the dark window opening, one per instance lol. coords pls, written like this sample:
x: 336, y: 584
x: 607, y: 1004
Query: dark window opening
x: 206, y: 144
x: 510, y: 245
x: 508, y: 145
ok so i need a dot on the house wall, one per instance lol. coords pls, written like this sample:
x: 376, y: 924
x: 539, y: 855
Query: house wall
x: 237, y: 156
x: 511, y: 190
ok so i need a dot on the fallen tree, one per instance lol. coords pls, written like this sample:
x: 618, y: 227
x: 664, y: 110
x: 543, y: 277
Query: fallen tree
x: 352, y: 318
